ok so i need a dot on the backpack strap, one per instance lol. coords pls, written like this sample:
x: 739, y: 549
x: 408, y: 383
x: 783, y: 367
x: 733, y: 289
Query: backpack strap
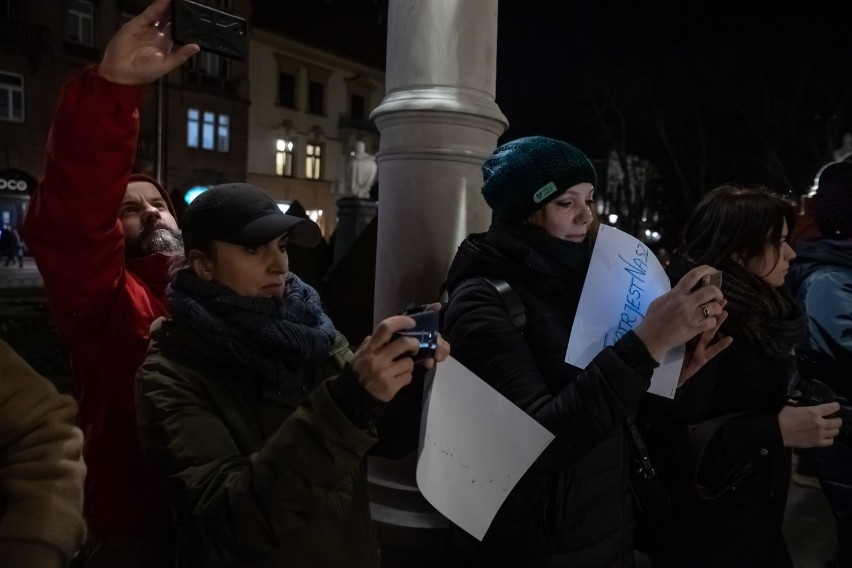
x: 511, y: 301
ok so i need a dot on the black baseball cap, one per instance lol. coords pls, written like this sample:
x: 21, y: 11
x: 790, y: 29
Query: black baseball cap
x: 242, y: 214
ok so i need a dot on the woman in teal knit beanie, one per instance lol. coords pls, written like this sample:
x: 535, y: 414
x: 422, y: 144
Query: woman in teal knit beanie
x: 573, y: 506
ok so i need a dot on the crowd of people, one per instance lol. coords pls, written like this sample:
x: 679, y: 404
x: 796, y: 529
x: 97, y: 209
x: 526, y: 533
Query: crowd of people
x: 220, y: 419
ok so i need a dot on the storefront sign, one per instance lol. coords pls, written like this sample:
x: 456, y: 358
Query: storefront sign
x: 13, y: 184
x: 16, y: 182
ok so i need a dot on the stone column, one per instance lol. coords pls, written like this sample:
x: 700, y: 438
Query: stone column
x: 438, y: 122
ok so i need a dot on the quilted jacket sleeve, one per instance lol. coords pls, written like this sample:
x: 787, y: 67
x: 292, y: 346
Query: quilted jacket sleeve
x: 245, y: 506
x: 585, y: 411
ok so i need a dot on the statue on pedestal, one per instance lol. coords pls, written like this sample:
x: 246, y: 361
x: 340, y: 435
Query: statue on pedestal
x: 361, y: 171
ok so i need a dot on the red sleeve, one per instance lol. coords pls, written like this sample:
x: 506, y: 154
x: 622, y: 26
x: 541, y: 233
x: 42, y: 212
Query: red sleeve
x: 72, y: 227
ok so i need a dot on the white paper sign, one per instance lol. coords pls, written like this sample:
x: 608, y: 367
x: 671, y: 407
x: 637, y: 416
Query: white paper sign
x: 475, y: 445
x: 624, y: 277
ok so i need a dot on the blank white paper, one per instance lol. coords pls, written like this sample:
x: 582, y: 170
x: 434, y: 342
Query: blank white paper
x: 475, y: 445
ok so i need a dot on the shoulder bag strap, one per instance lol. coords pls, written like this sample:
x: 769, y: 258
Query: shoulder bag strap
x: 511, y: 302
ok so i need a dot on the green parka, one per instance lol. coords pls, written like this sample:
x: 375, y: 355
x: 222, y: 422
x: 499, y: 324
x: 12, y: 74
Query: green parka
x: 257, y: 478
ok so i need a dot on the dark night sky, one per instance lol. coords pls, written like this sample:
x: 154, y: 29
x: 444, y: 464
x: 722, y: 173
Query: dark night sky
x: 745, y: 92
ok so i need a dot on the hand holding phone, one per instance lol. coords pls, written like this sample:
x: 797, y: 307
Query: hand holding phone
x: 714, y: 279
x: 425, y: 330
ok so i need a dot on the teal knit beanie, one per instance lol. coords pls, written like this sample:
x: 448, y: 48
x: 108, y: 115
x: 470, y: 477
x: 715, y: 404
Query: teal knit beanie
x: 523, y: 175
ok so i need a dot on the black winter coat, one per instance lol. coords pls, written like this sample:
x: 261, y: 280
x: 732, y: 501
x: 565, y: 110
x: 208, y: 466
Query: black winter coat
x: 742, y: 526
x: 573, y: 507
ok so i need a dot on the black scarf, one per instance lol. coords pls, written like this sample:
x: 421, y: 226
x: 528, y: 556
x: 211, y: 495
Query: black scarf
x: 764, y: 316
x: 567, y: 259
x: 274, y: 336
x: 560, y: 266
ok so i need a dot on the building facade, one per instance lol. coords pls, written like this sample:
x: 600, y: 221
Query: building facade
x: 286, y: 119
x: 193, y: 122
x: 309, y: 108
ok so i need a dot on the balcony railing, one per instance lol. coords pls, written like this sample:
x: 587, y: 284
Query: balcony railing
x: 356, y: 123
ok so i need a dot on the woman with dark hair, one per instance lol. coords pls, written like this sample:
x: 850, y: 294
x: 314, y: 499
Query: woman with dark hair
x: 723, y: 446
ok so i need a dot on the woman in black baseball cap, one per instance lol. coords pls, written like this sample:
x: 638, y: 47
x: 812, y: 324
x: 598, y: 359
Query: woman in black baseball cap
x: 253, y: 406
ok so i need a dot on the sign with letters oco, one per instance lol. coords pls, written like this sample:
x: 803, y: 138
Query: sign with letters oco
x: 624, y: 277
x: 16, y: 182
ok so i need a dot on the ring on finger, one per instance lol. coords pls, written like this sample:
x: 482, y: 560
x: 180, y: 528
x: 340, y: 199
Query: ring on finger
x: 706, y: 311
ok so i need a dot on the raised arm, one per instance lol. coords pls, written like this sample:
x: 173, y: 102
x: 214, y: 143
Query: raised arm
x: 72, y: 225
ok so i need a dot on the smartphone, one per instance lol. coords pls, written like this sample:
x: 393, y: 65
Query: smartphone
x: 714, y: 279
x: 213, y: 30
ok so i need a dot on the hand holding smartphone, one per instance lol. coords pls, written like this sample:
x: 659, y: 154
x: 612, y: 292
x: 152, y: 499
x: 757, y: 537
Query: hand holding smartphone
x: 213, y: 30
x: 425, y: 330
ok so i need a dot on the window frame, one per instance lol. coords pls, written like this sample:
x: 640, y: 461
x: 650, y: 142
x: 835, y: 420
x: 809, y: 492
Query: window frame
x: 317, y: 76
x: 313, y: 161
x: 223, y: 133
x: 279, y: 99
x: 11, y: 90
x: 284, y: 158
x: 207, y: 130
x: 80, y: 18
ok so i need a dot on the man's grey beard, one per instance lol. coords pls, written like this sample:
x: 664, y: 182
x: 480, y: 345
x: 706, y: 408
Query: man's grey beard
x: 157, y: 240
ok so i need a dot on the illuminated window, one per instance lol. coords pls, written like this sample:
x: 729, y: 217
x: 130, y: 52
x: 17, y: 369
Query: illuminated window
x: 223, y: 138
x: 11, y: 97
x: 192, y: 126
x: 313, y: 161
x: 284, y: 157
x: 208, y: 130
x: 79, y: 22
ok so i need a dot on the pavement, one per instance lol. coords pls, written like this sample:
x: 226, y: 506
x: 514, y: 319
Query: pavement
x: 808, y: 527
x: 13, y: 276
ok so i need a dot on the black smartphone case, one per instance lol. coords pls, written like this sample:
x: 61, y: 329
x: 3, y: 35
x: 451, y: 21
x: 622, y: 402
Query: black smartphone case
x: 213, y: 30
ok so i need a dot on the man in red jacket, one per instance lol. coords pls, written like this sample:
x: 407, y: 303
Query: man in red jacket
x: 102, y: 241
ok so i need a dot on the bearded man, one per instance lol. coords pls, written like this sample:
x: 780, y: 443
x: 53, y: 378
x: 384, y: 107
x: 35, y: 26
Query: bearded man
x: 103, y: 240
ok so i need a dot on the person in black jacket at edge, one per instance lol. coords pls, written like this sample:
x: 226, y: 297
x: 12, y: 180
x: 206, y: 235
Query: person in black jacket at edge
x: 573, y: 507
x: 821, y: 281
x: 729, y: 500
